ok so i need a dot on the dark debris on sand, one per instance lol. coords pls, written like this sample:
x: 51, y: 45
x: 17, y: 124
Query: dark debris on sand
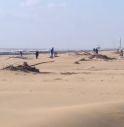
x: 77, y: 62
x: 99, y: 56
x: 96, y: 57
x: 25, y: 68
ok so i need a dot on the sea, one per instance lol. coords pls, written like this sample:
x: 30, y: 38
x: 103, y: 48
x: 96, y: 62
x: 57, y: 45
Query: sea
x: 16, y: 51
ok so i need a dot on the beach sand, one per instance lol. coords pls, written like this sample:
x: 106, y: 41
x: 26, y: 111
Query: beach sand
x: 65, y: 94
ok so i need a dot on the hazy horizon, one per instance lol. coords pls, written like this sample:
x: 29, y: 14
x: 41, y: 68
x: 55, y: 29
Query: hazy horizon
x: 63, y: 24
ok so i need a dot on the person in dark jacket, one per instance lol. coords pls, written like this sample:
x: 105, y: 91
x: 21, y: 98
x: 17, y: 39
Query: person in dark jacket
x: 52, y: 53
x: 21, y: 54
x: 97, y: 51
x: 37, y: 54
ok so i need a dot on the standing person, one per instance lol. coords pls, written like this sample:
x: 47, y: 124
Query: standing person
x: 37, y: 54
x: 121, y: 53
x: 94, y: 50
x: 52, y: 52
x: 97, y: 51
x: 21, y: 54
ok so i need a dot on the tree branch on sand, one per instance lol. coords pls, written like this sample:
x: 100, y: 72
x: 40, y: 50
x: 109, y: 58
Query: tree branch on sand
x: 25, y: 67
x: 42, y: 63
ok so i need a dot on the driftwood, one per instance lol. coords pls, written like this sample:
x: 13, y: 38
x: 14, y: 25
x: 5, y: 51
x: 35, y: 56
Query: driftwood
x: 25, y: 68
x: 95, y: 56
x: 77, y: 62
x: 99, y: 56
x: 41, y: 63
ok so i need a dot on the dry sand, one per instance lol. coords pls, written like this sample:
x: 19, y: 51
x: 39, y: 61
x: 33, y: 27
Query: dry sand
x: 89, y: 94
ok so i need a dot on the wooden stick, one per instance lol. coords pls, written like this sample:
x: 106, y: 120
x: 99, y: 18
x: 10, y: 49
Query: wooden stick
x: 42, y: 63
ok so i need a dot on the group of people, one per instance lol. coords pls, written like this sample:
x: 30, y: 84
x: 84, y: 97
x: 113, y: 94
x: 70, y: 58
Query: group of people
x: 52, y: 53
x: 95, y: 50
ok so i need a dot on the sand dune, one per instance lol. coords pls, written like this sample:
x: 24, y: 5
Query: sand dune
x: 90, y: 115
x: 98, y: 115
x: 64, y: 94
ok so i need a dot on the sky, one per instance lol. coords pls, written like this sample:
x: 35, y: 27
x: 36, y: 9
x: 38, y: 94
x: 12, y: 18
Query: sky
x: 63, y: 24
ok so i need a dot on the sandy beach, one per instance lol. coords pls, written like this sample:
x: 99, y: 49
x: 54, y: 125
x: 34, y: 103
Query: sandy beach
x: 64, y: 94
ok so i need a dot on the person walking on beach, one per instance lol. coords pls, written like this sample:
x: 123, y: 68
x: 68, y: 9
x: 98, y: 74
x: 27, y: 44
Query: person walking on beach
x: 121, y: 53
x: 94, y: 50
x: 97, y: 51
x: 37, y: 54
x: 52, y: 53
x: 21, y: 54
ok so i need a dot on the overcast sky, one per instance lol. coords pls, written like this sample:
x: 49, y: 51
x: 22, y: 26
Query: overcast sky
x: 64, y: 24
